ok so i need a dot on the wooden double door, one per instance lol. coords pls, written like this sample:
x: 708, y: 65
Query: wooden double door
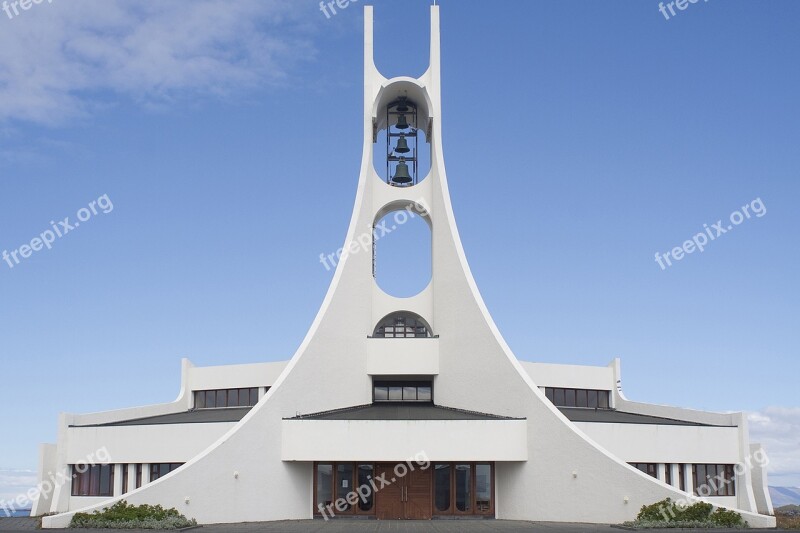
x: 405, y: 497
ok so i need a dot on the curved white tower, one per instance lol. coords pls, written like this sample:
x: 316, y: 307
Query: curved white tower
x: 496, y: 444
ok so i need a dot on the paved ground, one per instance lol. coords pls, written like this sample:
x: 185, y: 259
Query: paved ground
x: 368, y: 526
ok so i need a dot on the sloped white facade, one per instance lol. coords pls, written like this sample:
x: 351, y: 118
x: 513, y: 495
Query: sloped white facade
x: 547, y: 468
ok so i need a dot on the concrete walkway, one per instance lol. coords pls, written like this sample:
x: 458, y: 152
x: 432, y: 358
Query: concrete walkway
x: 367, y: 526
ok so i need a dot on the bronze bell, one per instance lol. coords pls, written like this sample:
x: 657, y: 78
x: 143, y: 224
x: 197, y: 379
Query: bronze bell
x: 402, y: 145
x: 401, y: 175
x: 402, y: 124
x: 402, y: 107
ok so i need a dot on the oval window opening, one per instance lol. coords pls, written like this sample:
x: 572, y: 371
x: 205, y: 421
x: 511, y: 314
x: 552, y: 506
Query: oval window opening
x: 402, y: 253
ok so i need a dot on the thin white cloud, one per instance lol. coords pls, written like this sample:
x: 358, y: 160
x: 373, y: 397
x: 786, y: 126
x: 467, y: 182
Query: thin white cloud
x: 65, y: 59
x: 15, y: 482
x: 778, y: 430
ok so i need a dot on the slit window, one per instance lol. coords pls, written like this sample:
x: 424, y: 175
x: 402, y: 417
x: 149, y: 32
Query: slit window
x: 589, y: 398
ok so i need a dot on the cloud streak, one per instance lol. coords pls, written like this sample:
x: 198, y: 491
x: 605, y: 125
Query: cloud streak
x: 778, y: 430
x: 15, y: 482
x: 67, y: 59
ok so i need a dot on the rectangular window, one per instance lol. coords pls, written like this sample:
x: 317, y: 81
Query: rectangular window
x: 714, y: 480
x: 159, y: 470
x: 441, y: 488
x: 682, y: 477
x: 483, y: 488
x: 463, y: 488
x: 402, y: 391
x: 570, y: 398
x: 668, y: 474
x: 323, y: 486
x: 344, y: 484
x: 138, y: 475
x: 218, y: 398
x: 588, y: 398
x: 92, y: 480
x: 651, y: 469
x: 124, y: 478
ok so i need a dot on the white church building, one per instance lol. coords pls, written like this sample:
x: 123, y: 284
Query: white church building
x: 403, y: 408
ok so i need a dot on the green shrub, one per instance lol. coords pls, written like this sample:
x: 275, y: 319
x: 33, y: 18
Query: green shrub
x: 122, y: 515
x: 725, y: 518
x: 667, y: 514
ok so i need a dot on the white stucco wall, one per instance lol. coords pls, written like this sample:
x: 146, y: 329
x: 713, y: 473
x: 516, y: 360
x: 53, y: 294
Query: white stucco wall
x: 399, y: 440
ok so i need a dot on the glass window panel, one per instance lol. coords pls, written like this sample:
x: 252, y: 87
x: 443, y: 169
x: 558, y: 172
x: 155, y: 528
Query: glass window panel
x: 76, y: 481
x: 211, y: 398
x: 602, y: 399
x: 105, y: 480
x: 244, y: 397
x: 396, y: 393
x: 138, y: 475
x: 253, y: 396
x: 410, y: 394
x: 569, y: 397
x: 668, y: 473
x: 581, y: 398
x: 424, y: 394
x: 324, y: 485
x: 344, y: 483
x: 94, y: 485
x: 483, y: 488
x: 681, y: 477
x: 381, y: 394
x: 441, y: 487
x: 222, y: 398
x: 85, y: 481
x: 592, y: 398
x: 559, y: 397
x: 652, y: 470
x: 364, y: 475
x: 233, y: 397
x: 463, y: 488
x: 548, y: 391
x: 199, y: 399
x: 124, y: 478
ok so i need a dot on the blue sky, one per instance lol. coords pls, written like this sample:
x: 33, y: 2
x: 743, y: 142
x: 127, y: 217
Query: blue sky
x: 580, y: 139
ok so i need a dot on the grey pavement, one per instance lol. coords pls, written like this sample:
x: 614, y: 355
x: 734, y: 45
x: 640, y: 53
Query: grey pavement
x: 367, y: 526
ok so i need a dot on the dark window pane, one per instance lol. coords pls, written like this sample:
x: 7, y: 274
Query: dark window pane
x: 124, y: 479
x: 211, y: 398
x: 559, y: 397
x: 106, y: 478
x: 668, y: 473
x: 381, y: 394
x: 602, y: 397
x: 592, y: 398
x: 233, y: 397
x: 94, y: 485
x: 441, y: 487
x: 138, y: 475
x: 410, y: 394
x: 396, y: 393
x: 569, y: 399
x: 581, y: 398
x: 483, y: 488
x: 324, y: 483
x: 364, y: 476
x: 548, y: 391
x: 253, y: 396
x: 463, y: 486
x: 222, y: 398
x: 244, y: 397
x: 344, y: 483
x: 199, y: 399
x: 424, y: 394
